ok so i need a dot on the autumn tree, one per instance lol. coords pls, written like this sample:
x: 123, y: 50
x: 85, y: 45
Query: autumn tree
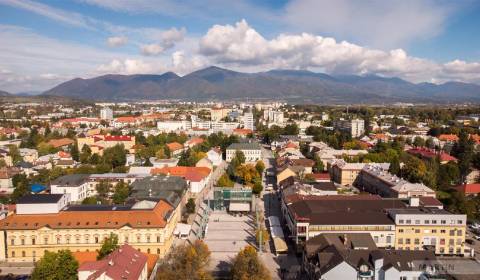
x: 224, y: 181
x: 247, y: 265
x: 260, y: 166
x: 190, y: 206
x: 186, y: 262
x: 262, y: 235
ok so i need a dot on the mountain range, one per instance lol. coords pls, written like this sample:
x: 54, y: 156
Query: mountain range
x: 295, y: 86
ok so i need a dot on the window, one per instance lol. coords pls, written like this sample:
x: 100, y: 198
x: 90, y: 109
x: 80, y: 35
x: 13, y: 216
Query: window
x: 443, y: 222
x: 434, y: 231
x: 451, y: 242
x: 407, y: 241
x: 126, y: 239
x: 12, y: 242
x: 45, y: 240
x: 23, y: 254
x: 158, y: 239
x: 389, y: 239
x: 148, y: 250
x: 434, y: 221
x: 58, y: 240
x: 400, y: 230
x: 417, y: 231
x: 13, y: 254
x: 452, y: 232
x: 22, y: 241
x: 400, y: 241
x: 158, y: 251
x: 460, y: 222
x: 426, y: 222
x: 96, y: 239
x: 417, y: 241
x: 33, y: 241
x: 442, y: 231
x: 459, y: 232
x: 148, y: 239
x: 400, y: 221
x: 417, y: 222
x: 409, y: 221
x: 442, y: 241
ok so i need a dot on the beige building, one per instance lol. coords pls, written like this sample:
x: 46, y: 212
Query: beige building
x: 99, y: 142
x: 346, y: 174
x: 26, y: 237
x: 419, y: 228
x: 217, y: 114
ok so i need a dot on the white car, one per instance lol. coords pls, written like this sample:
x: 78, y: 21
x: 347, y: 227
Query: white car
x: 477, y: 237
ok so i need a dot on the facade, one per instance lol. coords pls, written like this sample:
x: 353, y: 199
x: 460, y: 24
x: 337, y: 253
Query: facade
x: 75, y: 185
x: 106, y: 114
x: 196, y: 177
x: 248, y: 121
x: 99, y: 142
x: 346, y: 174
x: 82, y: 228
x: 375, y: 180
x: 215, y: 156
x: 252, y: 151
x: 421, y: 228
x: 41, y: 203
x: 355, y: 127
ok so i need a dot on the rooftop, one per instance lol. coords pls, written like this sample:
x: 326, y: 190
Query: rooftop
x: 244, y: 146
x: 72, y: 180
x: 39, y: 198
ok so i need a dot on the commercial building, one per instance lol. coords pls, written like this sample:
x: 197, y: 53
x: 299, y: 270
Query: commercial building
x: 81, y: 228
x: 422, y: 228
x: 252, y: 151
x: 375, y: 180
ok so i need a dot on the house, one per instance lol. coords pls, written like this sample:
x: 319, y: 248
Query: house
x: 252, y: 151
x: 62, y: 143
x: 469, y: 189
x: 215, y: 156
x: 123, y: 263
x: 75, y: 185
x: 6, y: 183
x: 448, y: 138
x: 197, y: 177
x: 28, y: 155
x: 346, y: 174
x: 194, y: 142
x: 99, y: 142
x: 175, y: 149
x: 426, y: 153
x: 287, y: 172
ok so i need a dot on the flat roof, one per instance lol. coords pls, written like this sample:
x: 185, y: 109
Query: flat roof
x: 39, y: 198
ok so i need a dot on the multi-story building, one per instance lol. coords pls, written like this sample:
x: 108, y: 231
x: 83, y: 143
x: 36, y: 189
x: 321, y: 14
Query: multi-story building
x: 421, y: 228
x: 99, y: 142
x: 248, y: 121
x: 79, y: 228
x: 217, y: 114
x: 252, y: 151
x: 346, y: 174
x: 106, y: 114
x: 274, y: 117
x: 75, y: 185
x: 376, y: 180
x: 355, y: 127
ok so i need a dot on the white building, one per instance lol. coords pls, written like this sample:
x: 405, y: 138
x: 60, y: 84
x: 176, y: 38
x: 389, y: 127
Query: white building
x: 106, y: 113
x: 355, y: 127
x: 252, y: 151
x: 215, y: 156
x: 248, y: 121
x: 76, y: 185
x: 42, y: 203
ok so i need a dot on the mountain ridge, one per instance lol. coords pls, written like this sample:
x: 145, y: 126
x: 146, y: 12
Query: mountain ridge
x: 297, y: 86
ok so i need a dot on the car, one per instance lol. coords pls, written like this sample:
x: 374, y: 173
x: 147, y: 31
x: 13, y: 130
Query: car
x: 477, y: 237
x: 469, y: 241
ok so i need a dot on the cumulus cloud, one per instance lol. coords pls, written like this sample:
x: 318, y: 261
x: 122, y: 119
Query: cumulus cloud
x: 152, y: 49
x: 242, y: 46
x: 377, y: 23
x: 117, y: 41
x: 167, y: 40
x: 127, y: 66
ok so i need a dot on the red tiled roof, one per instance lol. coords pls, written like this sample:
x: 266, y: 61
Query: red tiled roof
x: 123, y: 263
x: 321, y: 176
x: 117, y: 138
x: 448, y: 137
x: 126, y: 119
x: 174, y: 146
x: 193, y: 174
x: 291, y: 145
x: 242, y: 131
x: 56, y: 143
x: 195, y: 141
x: 469, y: 188
x: 428, y: 153
x: 427, y: 201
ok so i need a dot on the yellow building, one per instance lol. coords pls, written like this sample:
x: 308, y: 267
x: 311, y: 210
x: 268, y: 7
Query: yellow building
x: 345, y: 173
x: 26, y: 237
x: 99, y: 142
x: 285, y: 174
x: 420, y: 228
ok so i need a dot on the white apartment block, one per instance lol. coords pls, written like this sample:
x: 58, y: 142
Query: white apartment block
x: 106, y: 113
x: 355, y: 127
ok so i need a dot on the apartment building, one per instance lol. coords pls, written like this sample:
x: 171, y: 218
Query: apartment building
x: 346, y: 174
x: 422, y: 228
x: 99, y: 142
x: 80, y: 228
x: 248, y: 121
x: 355, y: 127
x: 375, y: 180
x: 75, y: 185
x: 106, y: 114
x: 252, y: 151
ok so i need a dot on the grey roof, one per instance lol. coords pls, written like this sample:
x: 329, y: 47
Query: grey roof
x: 169, y: 188
x: 39, y: 198
x: 72, y: 180
x: 244, y: 146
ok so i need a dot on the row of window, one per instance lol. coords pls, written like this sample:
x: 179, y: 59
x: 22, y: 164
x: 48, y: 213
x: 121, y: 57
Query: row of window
x: 428, y: 222
x: 416, y: 241
x: 442, y: 231
x: 34, y: 253
x: 442, y: 250
x: 67, y: 240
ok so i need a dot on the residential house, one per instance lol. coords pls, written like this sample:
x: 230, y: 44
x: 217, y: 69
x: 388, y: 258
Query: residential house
x: 197, y: 177
x: 215, y: 156
x: 75, y: 185
x: 175, y: 148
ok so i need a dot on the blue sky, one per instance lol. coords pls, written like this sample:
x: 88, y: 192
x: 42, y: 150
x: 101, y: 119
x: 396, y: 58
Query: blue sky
x: 44, y: 43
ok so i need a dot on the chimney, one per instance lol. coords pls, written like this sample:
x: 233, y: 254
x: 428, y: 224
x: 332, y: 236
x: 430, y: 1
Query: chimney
x: 414, y: 201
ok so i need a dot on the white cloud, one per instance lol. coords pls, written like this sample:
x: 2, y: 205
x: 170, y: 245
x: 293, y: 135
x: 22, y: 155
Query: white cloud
x: 117, y: 41
x: 377, y: 23
x: 167, y: 40
x: 241, y: 46
x: 151, y: 49
x: 126, y: 66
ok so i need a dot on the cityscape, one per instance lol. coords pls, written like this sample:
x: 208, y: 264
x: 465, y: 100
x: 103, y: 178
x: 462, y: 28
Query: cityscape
x: 165, y: 140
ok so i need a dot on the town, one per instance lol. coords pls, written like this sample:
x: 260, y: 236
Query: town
x: 228, y: 190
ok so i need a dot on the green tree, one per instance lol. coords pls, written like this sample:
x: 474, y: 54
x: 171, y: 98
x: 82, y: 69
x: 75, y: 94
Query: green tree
x: 464, y: 151
x: 262, y: 235
x: 186, y: 262
x: 115, y: 156
x: 21, y: 187
x: 257, y: 188
x: 121, y: 193
x: 225, y: 182
x: 394, y: 166
x: 91, y: 200
x: 247, y: 265
x: 85, y: 155
x: 318, y: 167
x: 190, y: 206
x: 240, y: 156
x: 14, y: 153
x: 103, y: 188
x: 291, y: 129
x: 418, y: 142
x: 260, y: 166
x: 55, y: 266
x: 414, y: 169
x: 429, y: 143
x: 109, y: 245
x: 75, y: 152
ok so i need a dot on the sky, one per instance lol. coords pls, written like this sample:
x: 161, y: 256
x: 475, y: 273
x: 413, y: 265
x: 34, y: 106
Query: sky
x: 44, y: 43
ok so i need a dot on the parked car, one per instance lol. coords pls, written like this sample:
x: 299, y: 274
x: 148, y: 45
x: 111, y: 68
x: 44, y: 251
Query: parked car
x: 477, y: 237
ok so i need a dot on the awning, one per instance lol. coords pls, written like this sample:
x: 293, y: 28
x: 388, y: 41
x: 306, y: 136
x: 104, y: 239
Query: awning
x: 240, y: 207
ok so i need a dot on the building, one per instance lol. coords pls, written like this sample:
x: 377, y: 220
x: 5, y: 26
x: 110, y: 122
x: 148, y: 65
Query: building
x: 196, y: 177
x: 252, y: 151
x: 375, y: 180
x: 273, y: 117
x: 346, y: 174
x: 354, y: 256
x: 217, y: 114
x: 233, y: 199
x: 175, y: 148
x: 422, y: 228
x: 76, y: 186
x: 172, y: 189
x: 248, y: 121
x: 469, y: 189
x: 123, y: 263
x: 215, y: 156
x: 81, y: 228
x: 309, y: 216
x: 106, y: 114
x: 355, y: 127
x: 41, y: 203
x: 99, y: 142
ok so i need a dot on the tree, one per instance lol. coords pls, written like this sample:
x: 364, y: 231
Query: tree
x: 429, y: 143
x: 262, y: 233
x: 464, y: 151
x: 20, y: 183
x: 14, y: 153
x: 260, y: 166
x: 318, y: 167
x: 247, y: 265
x: 91, y: 200
x: 414, y: 169
x: 394, y: 166
x: 291, y: 129
x: 45, y: 149
x: 257, y: 188
x: 418, y: 142
x: 103, y: 188
x: 85, y: 155
x: 115, y: 156
x: 121, y: 193
x: 186, y: 262
x: 240, y: 156
x: 190, y: 206
x: 53, y: 266
x: 109, y: 245
x: 224, y: 181
x: 75, y: 152
x: 247, y: 173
